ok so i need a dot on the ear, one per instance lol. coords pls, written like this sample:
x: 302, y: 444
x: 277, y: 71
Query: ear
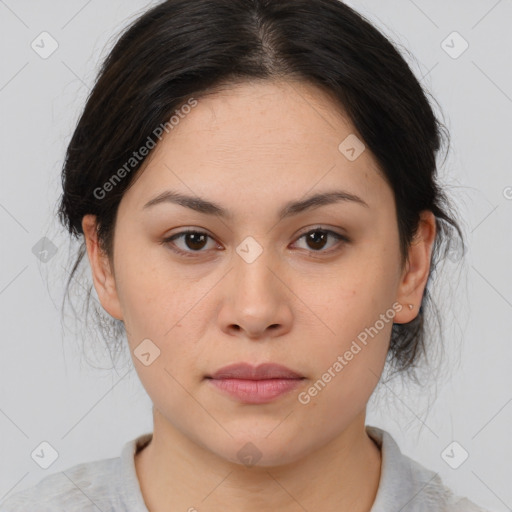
x: 415, y: 275
x: 102, y: 274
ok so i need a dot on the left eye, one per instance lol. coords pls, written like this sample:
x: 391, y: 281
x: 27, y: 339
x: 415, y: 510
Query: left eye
x: 316, y: 238
x: 194, y: 241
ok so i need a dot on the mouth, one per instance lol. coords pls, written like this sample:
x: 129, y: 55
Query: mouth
x: 255, y: 384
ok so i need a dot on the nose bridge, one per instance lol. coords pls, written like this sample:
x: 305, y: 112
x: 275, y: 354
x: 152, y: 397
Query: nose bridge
x: 253, y: 261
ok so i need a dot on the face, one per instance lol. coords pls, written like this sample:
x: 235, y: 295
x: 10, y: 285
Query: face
x: 313, y: 288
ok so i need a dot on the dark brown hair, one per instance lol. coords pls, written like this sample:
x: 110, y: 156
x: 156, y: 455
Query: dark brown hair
x: 185, y: 48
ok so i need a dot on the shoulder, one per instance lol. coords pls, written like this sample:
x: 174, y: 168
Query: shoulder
x: 408, y: 486
x: 80, y: 487
x: 459, y: 504
x: 106, y: 484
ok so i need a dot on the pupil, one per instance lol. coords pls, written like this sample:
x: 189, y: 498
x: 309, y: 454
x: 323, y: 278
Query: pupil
x: 314, y: 238
x: 194, y: 237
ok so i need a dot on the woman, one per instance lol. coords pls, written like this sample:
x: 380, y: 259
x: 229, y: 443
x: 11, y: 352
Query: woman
x: 255, y: 185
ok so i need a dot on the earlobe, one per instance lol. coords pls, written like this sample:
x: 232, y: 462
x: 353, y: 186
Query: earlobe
x: 414, y: 278
x: 103, y: 277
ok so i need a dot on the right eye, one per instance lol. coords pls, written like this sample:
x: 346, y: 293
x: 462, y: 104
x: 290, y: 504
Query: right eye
x: 192, y: 239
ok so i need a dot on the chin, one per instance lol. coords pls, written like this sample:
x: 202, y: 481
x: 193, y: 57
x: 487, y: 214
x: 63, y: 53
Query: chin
x: 259, y: 450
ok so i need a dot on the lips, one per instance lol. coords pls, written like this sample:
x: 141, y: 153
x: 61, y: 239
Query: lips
x: 255, y: 384
x: 264, y: 371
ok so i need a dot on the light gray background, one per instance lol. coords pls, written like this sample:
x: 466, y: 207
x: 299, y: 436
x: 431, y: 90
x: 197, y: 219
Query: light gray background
x: 49, y: 393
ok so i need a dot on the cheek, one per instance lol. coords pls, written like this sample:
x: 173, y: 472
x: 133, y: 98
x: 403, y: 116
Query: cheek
x: 356, y: 311
x: 161, y: 305
x: 148, y: 293
x: 351, y: 299
x: 156, y: 324
x: 348, y: 369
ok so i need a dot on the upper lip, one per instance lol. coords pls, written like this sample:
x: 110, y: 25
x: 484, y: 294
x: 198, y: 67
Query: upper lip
x: 247, y: 371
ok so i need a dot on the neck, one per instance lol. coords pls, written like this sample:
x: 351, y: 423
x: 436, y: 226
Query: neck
x: 177, y: 474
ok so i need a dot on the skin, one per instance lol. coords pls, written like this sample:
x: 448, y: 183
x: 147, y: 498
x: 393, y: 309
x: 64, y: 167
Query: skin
x: 251, y: 148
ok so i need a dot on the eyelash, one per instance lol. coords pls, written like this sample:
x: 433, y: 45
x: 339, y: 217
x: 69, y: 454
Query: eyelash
x: 194, y: 254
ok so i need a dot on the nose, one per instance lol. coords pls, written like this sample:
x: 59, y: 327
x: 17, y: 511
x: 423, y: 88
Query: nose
x: 256, y: 300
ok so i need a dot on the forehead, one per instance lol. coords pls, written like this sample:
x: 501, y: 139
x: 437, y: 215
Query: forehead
x: 282, y: 139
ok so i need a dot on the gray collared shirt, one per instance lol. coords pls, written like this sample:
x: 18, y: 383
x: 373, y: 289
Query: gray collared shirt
x: 110, y: 485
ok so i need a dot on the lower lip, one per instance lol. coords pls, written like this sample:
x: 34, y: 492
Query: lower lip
x: 256, y: 391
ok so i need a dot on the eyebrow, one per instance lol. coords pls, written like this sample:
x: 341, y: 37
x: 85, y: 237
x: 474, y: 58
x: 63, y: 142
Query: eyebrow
x: 291, y: 208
